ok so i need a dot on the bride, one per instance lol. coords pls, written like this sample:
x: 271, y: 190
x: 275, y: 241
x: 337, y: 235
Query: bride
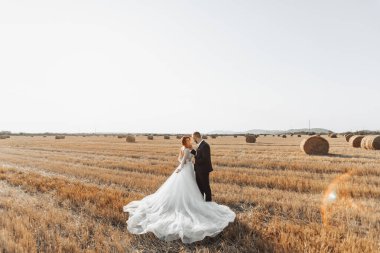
x: 177, y: 210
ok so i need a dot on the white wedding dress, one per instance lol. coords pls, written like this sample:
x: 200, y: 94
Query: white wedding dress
x: 177, y: 209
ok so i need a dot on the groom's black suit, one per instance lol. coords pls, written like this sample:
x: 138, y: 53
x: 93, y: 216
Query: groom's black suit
x: 203, y: 167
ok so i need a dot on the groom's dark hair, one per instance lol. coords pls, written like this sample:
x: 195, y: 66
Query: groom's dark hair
x: 197, y: 134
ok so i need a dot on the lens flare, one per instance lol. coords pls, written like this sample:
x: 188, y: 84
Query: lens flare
x: 334, y: 195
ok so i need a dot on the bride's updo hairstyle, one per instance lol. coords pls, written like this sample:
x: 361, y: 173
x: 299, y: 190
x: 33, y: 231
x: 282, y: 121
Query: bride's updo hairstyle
x: 184, y: 140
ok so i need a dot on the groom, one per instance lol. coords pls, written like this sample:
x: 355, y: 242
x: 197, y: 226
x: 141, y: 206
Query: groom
x: 202, y: 165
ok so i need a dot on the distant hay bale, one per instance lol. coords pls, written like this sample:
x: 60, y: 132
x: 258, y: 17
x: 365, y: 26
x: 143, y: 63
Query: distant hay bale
x: 59, y: 137
x: 166, y: 137
x: 235, y: 136
x: 250, y: 139
x: 3, y: 137
x: 121, y: 136
x: 348, y: 136
x: 284, y: 136
x: 333, y: 135
x: 371, y: 142
x: 355, y: 141
x: 44, y: 136
x: 315, y: 145
x: 299, y: 135
x: 131, y: 138
x: 179, y: 136
x: 365, y: 141
x: 205, y: 137
x: 213, y: 136
x: 150, y: 137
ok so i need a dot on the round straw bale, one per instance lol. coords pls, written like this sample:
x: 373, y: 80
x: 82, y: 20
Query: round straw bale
x: 250, y: 139
x: 131, y: 138
x: 315, y: 145
x: 371, y: 142
x: 348, y: 136
x: 355, y: 141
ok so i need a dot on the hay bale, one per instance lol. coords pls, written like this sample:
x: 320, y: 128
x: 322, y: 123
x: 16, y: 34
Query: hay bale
x: 333, y: 135
x: 348, y: 136
x: 205, y: 137
x: 371, y: 142
x: 355, y: 141
x: 250, y: 139
x: 121, y: 136
x: 3, y: 137
x: 166, y: 137
x: 150, y: 137
x: 235, y: 136
x: 315, y: 145
x: 299, y: 135
x: 179, y: 136
x: 283, y: 136
x: 131, y: 138
x: 59, y: 137
x: 213, y: 136
x: 365, y: 141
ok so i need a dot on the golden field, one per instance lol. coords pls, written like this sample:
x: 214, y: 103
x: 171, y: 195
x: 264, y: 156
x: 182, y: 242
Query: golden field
x: 67, y: 195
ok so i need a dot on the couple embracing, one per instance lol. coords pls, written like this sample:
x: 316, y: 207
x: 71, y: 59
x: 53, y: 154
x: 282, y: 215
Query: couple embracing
x: 182, y: 208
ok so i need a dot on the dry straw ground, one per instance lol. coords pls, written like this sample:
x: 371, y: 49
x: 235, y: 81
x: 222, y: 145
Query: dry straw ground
x: 67, y: 195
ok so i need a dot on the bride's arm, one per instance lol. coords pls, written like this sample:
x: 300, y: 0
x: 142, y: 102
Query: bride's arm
x: 180, y: 155
x: 183, y: 160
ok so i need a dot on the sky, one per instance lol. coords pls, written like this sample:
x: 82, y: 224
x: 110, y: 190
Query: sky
x: 180, y: 66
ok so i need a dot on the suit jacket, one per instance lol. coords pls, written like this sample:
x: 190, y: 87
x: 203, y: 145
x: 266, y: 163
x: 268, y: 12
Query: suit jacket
x: 202, y: 158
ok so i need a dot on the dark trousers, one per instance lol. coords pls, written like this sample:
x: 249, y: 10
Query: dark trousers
x: 203, y: 182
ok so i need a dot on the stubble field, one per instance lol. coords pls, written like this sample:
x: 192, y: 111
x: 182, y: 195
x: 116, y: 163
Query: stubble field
x: 67, y: 195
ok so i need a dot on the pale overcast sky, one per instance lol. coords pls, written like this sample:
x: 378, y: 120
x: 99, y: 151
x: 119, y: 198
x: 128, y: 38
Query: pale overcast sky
x: 179, y: 66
